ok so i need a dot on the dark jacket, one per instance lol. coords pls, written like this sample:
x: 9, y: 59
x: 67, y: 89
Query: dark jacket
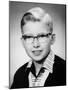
x: 57, y: 78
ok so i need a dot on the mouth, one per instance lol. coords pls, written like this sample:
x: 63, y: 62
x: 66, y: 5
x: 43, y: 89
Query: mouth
x: 37, y: 52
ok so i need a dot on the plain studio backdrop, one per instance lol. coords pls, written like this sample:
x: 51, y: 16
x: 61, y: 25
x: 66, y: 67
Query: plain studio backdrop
x: 18, y: 55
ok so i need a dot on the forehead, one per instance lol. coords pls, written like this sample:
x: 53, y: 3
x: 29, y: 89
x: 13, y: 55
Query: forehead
x: 35, y: 28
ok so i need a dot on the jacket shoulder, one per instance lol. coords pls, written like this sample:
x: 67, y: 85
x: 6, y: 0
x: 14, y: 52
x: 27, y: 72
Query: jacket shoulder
x: 21, y: 70
x: 60, y: 70
x: 59, y: 61
x: 19, y: 77
x: 58, y: 77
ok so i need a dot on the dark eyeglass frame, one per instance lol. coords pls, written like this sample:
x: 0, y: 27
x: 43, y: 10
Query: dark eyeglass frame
x: 38, y: 36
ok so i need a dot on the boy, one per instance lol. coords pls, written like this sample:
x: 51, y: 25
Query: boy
x: 45, y: 68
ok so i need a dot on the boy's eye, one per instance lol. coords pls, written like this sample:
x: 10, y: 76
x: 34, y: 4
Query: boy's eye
x: 29, y: 36
x: 26, y: 37
x: 42, y: 35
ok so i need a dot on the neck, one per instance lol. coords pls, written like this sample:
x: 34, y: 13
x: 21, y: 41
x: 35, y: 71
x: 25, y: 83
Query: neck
x: 37, y: 67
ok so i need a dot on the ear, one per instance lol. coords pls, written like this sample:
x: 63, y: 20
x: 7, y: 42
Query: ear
x: 22, y: 41
x: 53, y: 39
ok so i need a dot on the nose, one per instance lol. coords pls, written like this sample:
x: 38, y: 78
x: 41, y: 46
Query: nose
x: 36, y: 43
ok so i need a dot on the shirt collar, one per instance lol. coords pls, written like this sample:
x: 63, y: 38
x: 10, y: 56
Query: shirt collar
x: 48, y: 64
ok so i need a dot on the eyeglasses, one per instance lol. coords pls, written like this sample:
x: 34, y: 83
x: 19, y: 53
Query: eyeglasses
x: 40, y: 38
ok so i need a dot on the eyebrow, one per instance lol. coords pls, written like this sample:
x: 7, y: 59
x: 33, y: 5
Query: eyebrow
x: 44, y: 33
x: 37, y: 34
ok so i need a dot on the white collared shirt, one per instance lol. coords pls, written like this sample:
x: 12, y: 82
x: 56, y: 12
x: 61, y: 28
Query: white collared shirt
x: 41, y: 79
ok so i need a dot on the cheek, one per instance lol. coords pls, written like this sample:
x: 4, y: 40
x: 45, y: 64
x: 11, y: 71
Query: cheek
x: 46, y: 45
x: 27, y: 47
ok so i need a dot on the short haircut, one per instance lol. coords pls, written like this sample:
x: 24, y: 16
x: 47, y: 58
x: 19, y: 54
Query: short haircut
x: 37, y: 14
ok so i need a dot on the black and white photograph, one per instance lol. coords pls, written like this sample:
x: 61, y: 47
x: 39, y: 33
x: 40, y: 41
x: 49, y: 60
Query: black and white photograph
x: 37, y: 44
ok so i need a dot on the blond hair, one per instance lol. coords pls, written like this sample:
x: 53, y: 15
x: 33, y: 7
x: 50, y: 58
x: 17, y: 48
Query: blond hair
x: 37, y: 14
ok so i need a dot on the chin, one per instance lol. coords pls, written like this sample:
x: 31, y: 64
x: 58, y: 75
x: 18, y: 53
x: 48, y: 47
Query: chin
x: 37, y: 58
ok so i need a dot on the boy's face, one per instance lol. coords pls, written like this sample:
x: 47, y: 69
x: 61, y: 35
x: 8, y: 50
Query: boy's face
x: 38, y: 47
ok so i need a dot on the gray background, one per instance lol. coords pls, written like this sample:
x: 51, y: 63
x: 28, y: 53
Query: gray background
x: 18, y: 55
